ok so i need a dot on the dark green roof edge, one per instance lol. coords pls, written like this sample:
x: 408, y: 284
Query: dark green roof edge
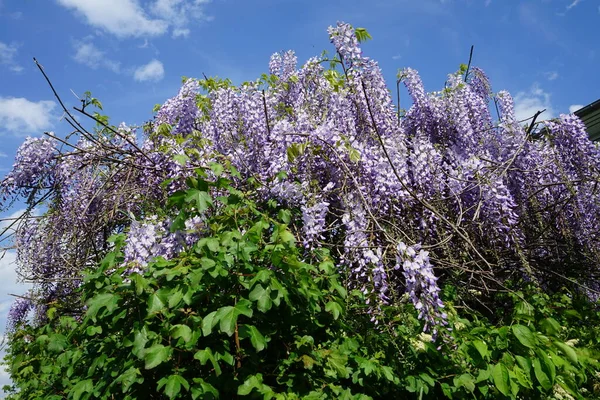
x: 590, y: 116
x: 582, y: 112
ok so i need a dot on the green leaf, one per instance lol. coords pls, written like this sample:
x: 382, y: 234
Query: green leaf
x: 208, y: 323
x: 253, y: 382
x: 263, y: 298
x: 182, y: 331
x: 96, y: 303
x: 156, y: 355
x: 128, y: 378
x: 173, y: 385
x: 155, y: 304
x: 466, y: 381
x: 57, y: 343
x: 567, y: 351
x: 84, y: 386
x: 523, y: 378
x: 541, y: 375
x: 139, y: 342
x: 139, y: 282
x: 216, y: 168
x: 482, y: 348
x: 524, y: 335
x: 335, y: 308
x: 227, y: 316
x: 337, y: 363
x: 285, y: 216
x: 547, y: 365
x: 175, y: 298
x: 207, y: 355
x: 181, y: 159
x: 201, y: 198
x: 501, y: 379
x: 204, y: 389
x: 362, y: 35
x: 550, y: 326
x: 93, y: 330
x: 256, y: 338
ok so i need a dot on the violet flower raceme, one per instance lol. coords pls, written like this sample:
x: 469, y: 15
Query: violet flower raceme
x: 18, y: 312
x: 283, y: 66
x: 180, y: 111
x: 313, y: 219
x: 32, y: 168
x: 151, y: 238
x: 345, y: 41
x: 480, y: 83
x: 421, y: 285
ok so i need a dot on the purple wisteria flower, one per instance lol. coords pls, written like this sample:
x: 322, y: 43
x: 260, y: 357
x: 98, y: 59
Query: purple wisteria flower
x: 32, y: 168
x: 345, y: 41
x: 181, y: 111
x: 18, y: 312
x: 313, y: 222
x: 421, y: 285
x: 151, y: 238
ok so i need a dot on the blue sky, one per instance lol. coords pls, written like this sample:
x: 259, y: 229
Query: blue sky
x: 131, y: 54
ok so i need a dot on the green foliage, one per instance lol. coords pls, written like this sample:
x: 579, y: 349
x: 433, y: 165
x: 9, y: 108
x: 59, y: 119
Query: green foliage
x: 362, y: 35
x: 245, y: 313
x: 239, y: 314
x: 541, y: 348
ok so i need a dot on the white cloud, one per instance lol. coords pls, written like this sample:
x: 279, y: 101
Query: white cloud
x: 88, y: 54
x: 488, y: 2
x: 120, y: 17
x: 573, y: 4
x: 153, y: 71
x: 181, y: 32
x: 179, y: 13
x: 2, y: 155
x: 551, y: 75
x: 131, y: 18
x: 21, y: 116
x: 529, y: 102
x: 396, y: 57
x: 575, y: 107
x: 7, y: 57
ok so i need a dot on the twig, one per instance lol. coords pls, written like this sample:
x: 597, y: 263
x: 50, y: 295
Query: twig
x: 537, y: 114
x: 266, y: 114
x: 469, y: 65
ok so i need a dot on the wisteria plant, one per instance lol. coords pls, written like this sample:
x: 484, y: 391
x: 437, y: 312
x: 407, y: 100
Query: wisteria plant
x: 452, y: 194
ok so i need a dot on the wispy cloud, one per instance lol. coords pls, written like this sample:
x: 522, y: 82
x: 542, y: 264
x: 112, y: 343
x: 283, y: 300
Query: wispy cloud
x: 179, y: 13
x: 7, y: 57
x: 153, y: 71
x: 529, y: 102
x: 573, y: 4
x: 551, y: 75
x: 87, y: 53
x: 21, y: 117
x: 575, y: 107
x: 128, y: 18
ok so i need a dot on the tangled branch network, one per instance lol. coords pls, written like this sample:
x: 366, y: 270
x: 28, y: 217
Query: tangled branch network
x: 455, y: 188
